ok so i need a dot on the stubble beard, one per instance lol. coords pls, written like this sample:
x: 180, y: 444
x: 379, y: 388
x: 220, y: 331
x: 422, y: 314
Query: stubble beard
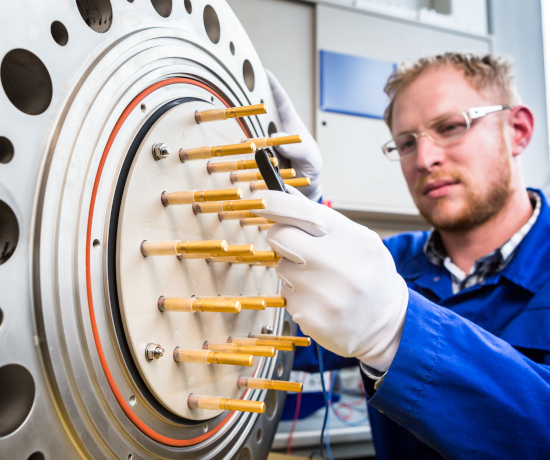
x: 479, y: 206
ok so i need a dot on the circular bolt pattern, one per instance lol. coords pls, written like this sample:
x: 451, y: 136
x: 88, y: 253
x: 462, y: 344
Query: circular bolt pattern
x: 163, y: 7
x: 97, y: 14
x: 211, y: 24
x: 248, y: 75
x: 16, y: 397
x: 6, y: 150
x: 9, y: 232
x: 26, y: 81
x: 59, y: 33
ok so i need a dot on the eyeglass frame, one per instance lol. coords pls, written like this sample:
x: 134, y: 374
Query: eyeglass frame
x: 469, y: 115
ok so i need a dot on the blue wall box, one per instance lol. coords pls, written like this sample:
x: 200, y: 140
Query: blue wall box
x: 354, y: 85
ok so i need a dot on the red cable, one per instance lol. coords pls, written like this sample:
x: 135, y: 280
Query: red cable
x: 295, y: 420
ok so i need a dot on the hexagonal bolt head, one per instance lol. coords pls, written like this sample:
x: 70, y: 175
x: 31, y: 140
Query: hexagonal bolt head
x: 160, y: 151
x: 153, y: 351
x: 267, y: 329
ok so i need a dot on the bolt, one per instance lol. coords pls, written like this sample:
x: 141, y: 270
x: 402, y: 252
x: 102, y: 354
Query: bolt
x: 160, y: 151
x: 153, y: 351
x: 267, y: 329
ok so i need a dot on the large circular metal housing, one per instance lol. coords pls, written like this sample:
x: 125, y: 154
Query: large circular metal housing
x: 88, y: 86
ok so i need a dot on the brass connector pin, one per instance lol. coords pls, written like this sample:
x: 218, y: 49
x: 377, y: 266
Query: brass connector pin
x: 264, y: 142
x: 259, y: 256
x: 297, y: 182
x: 232, y: 112
x: 255, y: 221
x: 195, y: 196
x: 235, y: 215
x: 174, y: 248
x: 257, y: 175
x: 204, y: 153
x: 298, y: 341
x: 264, y: 384
x: 229, y: 166
x: 232, y: 251
x: 274, y: 302
x: 209, y: 356
x: 265, y: 227
x: 191, y: 305
x: 222, y: 206
x: 216, y: 403
x: 282, y: 345
x: 240, y: 349
x: 250, y: 303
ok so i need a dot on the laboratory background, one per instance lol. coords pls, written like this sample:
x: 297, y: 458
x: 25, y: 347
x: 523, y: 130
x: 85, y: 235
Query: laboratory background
x: 141, y: 315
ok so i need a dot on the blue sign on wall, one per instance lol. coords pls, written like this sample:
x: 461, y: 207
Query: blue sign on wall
x: 354, y: 85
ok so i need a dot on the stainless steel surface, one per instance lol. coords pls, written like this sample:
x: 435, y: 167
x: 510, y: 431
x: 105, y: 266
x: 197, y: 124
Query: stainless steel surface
x: 49, y: 185
x: 160, y: 151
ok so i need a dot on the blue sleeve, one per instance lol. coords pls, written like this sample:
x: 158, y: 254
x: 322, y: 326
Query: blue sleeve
x: 463, y: 391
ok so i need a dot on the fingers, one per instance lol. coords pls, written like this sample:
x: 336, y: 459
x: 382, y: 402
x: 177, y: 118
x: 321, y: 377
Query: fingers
x: 296, y: 211
x: 288, y: 242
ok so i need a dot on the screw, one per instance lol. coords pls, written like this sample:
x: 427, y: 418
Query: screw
x: 267, y: 329
x: 153, y: 351
x: 160, y: 151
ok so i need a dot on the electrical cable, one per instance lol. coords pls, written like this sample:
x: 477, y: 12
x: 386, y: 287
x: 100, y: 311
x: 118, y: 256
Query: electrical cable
x: 295, y: 420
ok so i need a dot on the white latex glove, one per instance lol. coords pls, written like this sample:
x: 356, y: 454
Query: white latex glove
x: 305, y: 157
x: 340, y: 281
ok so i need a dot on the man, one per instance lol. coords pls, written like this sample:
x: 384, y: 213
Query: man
x: 452, y: 326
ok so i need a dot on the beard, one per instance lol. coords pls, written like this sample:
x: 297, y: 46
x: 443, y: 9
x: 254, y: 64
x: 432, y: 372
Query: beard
x: 479, y: 205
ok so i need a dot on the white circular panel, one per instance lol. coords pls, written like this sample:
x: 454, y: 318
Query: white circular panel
x: 142, y: 280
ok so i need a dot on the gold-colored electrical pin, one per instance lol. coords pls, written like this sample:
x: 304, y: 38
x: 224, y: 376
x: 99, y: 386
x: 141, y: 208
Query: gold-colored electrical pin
x: 235, y: 215
x: 216, y: 403
x: 232, y: 112
x: 221, y: 206
x: 264, y: 142
x: 259, y: 256
x: 192, y: 305
x: 278, y: 344
x: 208, y: 357
x: 232, y: 251
x: 229, y: 166
x: 257, y: 175
x: 274, y: 302
x: 254, y: 221
x: 240, y: 349
x: 250, y: 303
x: 263, y: 227
x: 204, y: 153
x: 195, y: 196
x: 298, y: 341
x: 264, y: 384
x: 297, y: 182
x: 174, y: 248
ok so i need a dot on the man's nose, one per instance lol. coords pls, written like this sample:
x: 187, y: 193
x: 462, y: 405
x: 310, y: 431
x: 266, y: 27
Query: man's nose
x: 428, y: 154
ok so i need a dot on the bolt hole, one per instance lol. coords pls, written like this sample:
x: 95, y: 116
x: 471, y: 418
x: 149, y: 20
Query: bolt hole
x: 130, y: 1
x: 9, y: 232
x: 188, y: 6
x: 248, y: 75
x: 26, y: 81
x: 17, y: 392
x: 143, y: 107
x: 259, y: 435
x: 96, y: 244
x: 162, y: 7
x: 205, y: 428
x: 245, y: 454
x: 59, y: 33
x: 6, y: 150
x: 132, y: 402
x: 211, y: 24
x: 286, y: 328
x: 270, y: 404
x: 130, y: 456
x: 232, y: 48
x: 212, y: 99
x: 37, y: 456
x: 97, y: 14
x: 280, y: 369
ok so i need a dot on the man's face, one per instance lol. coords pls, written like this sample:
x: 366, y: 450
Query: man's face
x: 462, y: 184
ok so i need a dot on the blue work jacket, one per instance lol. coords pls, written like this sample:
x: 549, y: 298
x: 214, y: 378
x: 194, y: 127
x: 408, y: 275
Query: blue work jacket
x: 471, y: 377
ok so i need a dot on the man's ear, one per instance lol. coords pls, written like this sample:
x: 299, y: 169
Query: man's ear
x: 522, y: 123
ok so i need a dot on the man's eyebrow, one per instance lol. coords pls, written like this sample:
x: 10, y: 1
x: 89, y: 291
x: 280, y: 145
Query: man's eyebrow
x: 433, y: 120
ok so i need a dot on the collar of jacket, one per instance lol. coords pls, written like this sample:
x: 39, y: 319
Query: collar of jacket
x: 529, y: 267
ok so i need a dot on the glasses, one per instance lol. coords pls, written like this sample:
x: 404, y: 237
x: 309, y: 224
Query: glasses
x: 441, y: 131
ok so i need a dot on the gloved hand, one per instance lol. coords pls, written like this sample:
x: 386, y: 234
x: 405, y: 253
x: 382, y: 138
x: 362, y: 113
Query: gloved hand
x: 340, y: 281
x: 305, y: 157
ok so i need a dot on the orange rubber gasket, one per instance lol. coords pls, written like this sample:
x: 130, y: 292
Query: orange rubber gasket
x: 116, y: 392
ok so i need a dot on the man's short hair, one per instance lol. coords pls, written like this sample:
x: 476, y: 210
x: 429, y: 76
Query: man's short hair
x: 490, y: 75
